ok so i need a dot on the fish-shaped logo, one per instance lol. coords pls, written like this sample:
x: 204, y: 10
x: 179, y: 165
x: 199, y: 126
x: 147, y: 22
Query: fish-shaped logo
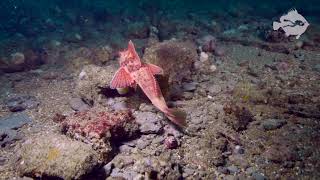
x: 132, y: 72
x: 292, y: 23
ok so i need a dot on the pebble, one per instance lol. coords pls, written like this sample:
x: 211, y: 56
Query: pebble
x: 189, y: 86
x: 238, y: 150
x: 233, y: 169
x: 272, y: 124
x: 258, y: 176
x: 204, y: 57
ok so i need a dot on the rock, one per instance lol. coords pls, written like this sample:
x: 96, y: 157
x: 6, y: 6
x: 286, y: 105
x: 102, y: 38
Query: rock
x: 204, y: 57
x: 56, y: 156
x: 176, y: 59
x: 272, y: 124
x: 78, y: 105
x: 10, y: 125
x: 189, y: 86
x: 238, y: 150
x: 21, y: 102
x: 170, y: 142
x: 100, y: 128
x: 102, y: 54
x: 258, y: 176
x: 94, y: 82
x: 17, y: 58
x: 233, y: 169
x: 118, y: 103
x: 150, y: 123
x: 171, y: 130
x: 208, y: 43
x: 144, y: 141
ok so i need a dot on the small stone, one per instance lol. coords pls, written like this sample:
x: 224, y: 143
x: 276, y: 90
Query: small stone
x: 213, y: 68
x: 189, y: 86
x: 272, y: 124
x: 238, y: 149
x: 258, y: 176
x: 17, y: 58
x: 78, y: 105
x: 171, y: 142
x: 233, y: 169
x: 204, y: 57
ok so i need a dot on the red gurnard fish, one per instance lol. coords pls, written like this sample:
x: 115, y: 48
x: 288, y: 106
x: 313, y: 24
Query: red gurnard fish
x: 132, y: 72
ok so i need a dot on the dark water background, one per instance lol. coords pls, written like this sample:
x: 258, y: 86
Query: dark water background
x: 19, y: 16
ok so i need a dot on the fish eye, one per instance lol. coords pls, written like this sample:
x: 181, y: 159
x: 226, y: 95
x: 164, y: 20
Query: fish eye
x: 300, y: 23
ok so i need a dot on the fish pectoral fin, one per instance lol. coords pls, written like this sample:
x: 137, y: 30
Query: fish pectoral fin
x: 155, y: 69
x: 121, y: 79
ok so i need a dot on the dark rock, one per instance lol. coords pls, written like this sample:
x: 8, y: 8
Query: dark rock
x: 78, y: 105
x: 54, y: 155
x: 21, y: 102
x: 271, y: 124
x: 276, y: 36
x: 9, y: 127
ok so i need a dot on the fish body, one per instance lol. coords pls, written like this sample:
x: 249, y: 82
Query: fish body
x: 133, y: 72
x: 292, y: 23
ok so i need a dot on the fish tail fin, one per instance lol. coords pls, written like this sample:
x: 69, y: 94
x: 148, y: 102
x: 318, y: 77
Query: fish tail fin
x: 276, y: 25
x: 177, y: 116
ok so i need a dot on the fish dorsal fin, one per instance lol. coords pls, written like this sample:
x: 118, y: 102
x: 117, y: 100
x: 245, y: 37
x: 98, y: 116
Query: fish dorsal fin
x: 121, y: 79
x: 154, y: 69
x: 132, y: 51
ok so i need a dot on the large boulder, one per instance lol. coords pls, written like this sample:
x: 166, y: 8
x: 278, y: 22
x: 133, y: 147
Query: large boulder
x: 101, y: 129
x: 93, y: 81
x: 176, y: 58
x: 54, y: 155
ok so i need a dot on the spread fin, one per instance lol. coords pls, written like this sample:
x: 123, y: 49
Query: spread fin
x: 132, y: 50
x: 155, y: 69
x: 177, y: 116
x: 121, y: 79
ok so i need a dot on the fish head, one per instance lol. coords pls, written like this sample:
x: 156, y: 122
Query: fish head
x: 296, y: 18
x: 130, y: 57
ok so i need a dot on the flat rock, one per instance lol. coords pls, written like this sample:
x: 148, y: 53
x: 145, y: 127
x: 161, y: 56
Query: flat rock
x: 54, y: 155
x: 21, y: 102
x: 271, y: 124
x: 150, y: 123
x: 9, y: 126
